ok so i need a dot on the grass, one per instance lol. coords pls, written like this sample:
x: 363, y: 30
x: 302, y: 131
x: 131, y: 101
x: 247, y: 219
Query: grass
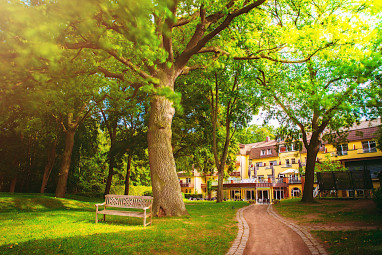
x: 352, y: 242
x: 42, y: 224
x: 330, y: 211
x: 339, y: 212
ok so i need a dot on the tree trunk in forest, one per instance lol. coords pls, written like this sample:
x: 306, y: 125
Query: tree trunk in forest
x: 312, y: 152
x: 113, y: 134
x: 13, y: 184
x: 168, y: 200
x: 65, y: 163
x: 127, y: 181
x: 49, y: 165
x: 110, y: 175
x: 219, y: 197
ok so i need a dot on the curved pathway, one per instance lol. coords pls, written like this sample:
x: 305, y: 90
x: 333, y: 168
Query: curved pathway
x: 262, y: 231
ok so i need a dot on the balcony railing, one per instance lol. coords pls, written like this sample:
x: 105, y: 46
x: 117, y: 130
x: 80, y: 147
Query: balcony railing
x: 186, y: 185
x: 264, y: 180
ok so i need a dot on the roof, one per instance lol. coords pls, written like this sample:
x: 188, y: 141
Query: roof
x: 363, y: 130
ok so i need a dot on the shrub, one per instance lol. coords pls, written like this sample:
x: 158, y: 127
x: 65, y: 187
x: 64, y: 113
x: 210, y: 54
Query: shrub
x: 377, y: 197
x: 148, y: 193
x: 133, y: 190
x: 187, y: 196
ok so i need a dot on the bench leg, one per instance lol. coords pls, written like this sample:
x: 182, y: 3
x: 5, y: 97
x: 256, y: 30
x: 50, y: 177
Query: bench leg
x: 96, y: 218
x: 104, y: 217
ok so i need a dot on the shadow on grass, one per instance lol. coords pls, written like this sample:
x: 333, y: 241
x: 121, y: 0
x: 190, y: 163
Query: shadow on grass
x: 42, y: 202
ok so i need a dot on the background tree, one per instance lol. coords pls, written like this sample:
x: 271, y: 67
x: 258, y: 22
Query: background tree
x: 255, y: 133
x: 323, y: 93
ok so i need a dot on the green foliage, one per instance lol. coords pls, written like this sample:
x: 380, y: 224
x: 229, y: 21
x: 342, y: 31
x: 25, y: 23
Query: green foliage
x: 133, y: 190
x: 329, y: 166
x: 254, y: 134
x: 377, y: 198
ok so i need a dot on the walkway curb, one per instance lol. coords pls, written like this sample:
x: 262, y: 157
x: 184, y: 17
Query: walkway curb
x: 314, y: 247
x: 240, y: 242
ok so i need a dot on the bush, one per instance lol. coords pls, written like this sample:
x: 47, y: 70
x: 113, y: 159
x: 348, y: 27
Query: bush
x: 133, y: 190
x: 377, y: 197
x: 187, y: 196
x: 148, y: 193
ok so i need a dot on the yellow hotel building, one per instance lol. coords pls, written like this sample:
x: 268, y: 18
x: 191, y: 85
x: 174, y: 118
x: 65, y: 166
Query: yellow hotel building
x: 265, y: 173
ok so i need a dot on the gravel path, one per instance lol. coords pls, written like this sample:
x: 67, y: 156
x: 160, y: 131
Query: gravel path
x: 262, y: 231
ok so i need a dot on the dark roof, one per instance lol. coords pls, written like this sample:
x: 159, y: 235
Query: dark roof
x: 365, y: 130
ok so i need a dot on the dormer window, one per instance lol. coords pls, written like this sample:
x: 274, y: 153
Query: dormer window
x: 342, y: 149
x: 269, y: 152
x: 262, y: 153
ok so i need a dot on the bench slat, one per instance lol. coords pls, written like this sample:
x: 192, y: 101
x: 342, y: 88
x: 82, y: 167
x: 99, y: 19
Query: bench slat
x: 124, y: 213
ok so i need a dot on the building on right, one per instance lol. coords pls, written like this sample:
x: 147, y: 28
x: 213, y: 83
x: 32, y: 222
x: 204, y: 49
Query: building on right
x: 272, y: 170
x: 360, y: 152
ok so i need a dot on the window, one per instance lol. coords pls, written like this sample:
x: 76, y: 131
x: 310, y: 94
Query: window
x: 262, y: 153
x: 342, y: 149
x: 273, y: 163
x: 369, y: 146
x: 188, y: 180
x: 284, y: 148
x: 287, y: 162
x: 270, y: 176
x: 259, y: 164
x: 269, y: 151
x: 293, y: 161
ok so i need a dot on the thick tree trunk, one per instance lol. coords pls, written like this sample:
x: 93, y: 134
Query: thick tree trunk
x: 127, y: 181
x: 65, y: 163
x: 312, y: 152
x: 13, y: 184
x: 49, y: 165
x: 168, y: 200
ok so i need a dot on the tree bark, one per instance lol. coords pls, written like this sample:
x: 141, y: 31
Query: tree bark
x: 168, y: 200
x: 13, y: 185
x: 312, y: 152
x: 49, y: 165
x: 127, y: 181
x: 219, y: 197
x: 65, y: 163
x: 110, y: 175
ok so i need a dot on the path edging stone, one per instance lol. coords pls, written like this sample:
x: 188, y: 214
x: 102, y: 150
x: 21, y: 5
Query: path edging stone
x: 240, y: 242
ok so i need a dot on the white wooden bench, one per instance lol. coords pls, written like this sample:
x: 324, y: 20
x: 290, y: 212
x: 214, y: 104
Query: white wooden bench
x: 127, y: 202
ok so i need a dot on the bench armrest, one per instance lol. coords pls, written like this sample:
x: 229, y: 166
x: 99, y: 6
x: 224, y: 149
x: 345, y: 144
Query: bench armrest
x: 100, y: 204
x: 147, y: 207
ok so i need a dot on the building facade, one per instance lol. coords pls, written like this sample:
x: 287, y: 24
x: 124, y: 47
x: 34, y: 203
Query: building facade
x: 270, y: 170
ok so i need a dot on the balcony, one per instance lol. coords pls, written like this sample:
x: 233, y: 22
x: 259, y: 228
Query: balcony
x: 235, y: 174
x: 186, y: 185
x: 263, y: 182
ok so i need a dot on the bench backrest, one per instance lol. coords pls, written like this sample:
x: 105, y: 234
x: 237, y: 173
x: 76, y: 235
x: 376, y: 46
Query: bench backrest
x: 124, y: 201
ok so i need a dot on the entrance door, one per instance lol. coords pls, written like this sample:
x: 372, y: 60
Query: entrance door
x: 263, y: 196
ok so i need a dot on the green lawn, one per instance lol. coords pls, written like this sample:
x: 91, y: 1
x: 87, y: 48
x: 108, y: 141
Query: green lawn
x: 352, y: 242
x: 339, y: 212
x: 330, y: 211
x: 42, y: 224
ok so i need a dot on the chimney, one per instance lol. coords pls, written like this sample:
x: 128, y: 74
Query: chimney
x: 267, y: 139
